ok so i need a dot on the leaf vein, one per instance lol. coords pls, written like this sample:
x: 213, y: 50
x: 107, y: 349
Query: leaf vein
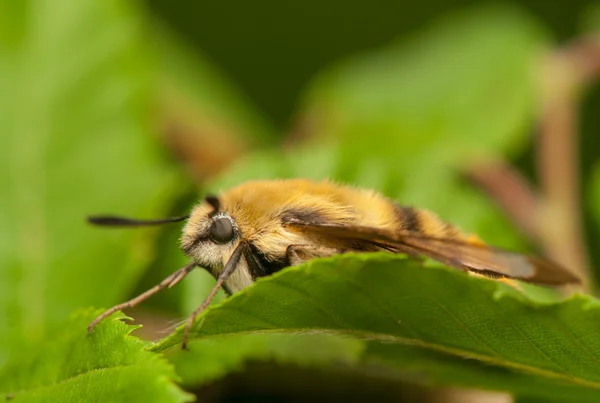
x: 494, y: 360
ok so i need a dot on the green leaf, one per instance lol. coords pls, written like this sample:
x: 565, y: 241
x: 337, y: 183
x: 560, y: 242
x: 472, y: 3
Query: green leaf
x: 590, y: 18
x: 76, y: 122
x: 213, y: 358
x: 108, y: 365
x: 384, y: 298
x: 465, y: 86
x: 594, y: 194
x: 436, y: 368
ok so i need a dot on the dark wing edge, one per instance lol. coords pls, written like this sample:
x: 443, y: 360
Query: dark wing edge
x: 458, y: 254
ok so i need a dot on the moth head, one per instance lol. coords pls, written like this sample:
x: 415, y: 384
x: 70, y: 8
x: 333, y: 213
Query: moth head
x: 210, y: 234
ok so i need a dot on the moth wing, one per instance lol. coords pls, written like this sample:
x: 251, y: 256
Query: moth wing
x: 455, y: 253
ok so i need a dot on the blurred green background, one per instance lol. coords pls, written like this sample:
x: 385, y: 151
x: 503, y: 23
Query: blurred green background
x: 138, y: 108
x: 289, y: 42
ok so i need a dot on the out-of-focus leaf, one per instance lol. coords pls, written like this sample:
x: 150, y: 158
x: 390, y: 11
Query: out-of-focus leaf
x: 435, y: 368
x: 590, y: 17
x: 535, y: 399
x: 106, y: 366
x: 76, y: 124
x: 214, y: 358
x: 464, y: 87
x: 207, y: 120
x: 388, y: 299
x: 199, y: 82
x: 594, y: 198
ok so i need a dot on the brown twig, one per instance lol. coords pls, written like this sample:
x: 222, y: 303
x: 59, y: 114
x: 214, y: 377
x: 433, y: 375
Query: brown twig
x: 552, y: 218
x: 204, y: 143
x: 560, y: 219
x: 584, y: 55
x: 511, y: 191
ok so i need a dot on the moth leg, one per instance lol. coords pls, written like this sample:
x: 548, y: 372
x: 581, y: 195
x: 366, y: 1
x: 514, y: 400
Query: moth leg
x: 297, y: 254
x: 228, y: 270
x: 167, y: 282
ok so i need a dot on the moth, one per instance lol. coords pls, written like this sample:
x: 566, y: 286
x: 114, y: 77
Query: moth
x: 261, y: 227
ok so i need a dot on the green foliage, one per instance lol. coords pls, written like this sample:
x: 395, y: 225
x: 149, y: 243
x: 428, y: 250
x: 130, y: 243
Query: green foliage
x: 590, y: 18
x: 465, y: 86
x: 432, y: 310
x: 105, y: 366
x: 229, y: 353
x: 84, y: 91
x: 76, y: 135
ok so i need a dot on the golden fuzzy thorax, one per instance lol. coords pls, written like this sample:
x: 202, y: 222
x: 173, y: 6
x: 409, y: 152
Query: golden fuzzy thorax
x: 258, y: 208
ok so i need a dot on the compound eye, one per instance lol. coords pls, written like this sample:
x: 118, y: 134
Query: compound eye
x: 221, y: 231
